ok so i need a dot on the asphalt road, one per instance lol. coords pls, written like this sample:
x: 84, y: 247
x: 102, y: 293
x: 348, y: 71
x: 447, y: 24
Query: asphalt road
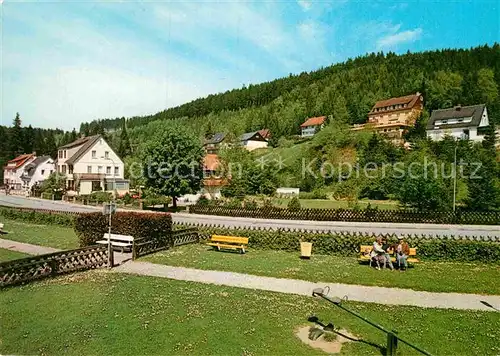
x: 377, y: 228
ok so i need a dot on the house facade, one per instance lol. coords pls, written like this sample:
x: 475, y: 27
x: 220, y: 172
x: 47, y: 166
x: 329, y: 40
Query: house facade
x: 37, y: 171
x: 392, y: 117
x: 14, y: 169
x: 312, y: 125
x: 253, y: 140
x: 90, y: 164
x: 460, y: 122
x: 215, y: 143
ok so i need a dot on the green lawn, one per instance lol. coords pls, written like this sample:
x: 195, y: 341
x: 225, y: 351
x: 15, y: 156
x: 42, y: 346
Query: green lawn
x: 7, y: 255
x: 44, y: 235
x: 427, y: 276
x: 100, y: 312
x: 337, y: 204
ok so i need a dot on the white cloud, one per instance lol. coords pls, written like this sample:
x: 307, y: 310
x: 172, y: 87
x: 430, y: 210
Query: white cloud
x: 305, y: 4
x: 394, y: 39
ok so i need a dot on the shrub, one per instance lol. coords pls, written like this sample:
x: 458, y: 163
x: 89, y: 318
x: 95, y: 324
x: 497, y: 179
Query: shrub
x: 294, y: 204
x: 203, y: 201
x: 91, y: 227
x: 250, y: 204
x: 101, y: 197
x: 233, y: 203
x: 38, y: 217
x: 153, y: 200
x: 315, y: 194
x: 127, y: 199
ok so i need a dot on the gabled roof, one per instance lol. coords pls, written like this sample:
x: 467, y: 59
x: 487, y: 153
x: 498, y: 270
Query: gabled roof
x: 216, y: 138
x: 409, y: 100
x: 210, y: 162
x: 314, y: 121
x: 249, y: 135
x: 457, y: 112
x: 31, y: 168
x: 86, y: 144
x: 19, y: 161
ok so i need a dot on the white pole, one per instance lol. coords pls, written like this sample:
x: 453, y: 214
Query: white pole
x: 455, y: 179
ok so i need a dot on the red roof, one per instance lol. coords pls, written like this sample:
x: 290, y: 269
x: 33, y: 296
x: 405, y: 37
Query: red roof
x: 211, y: 162
x: 19, y: 161
x: 265, y: 133
x: 314, y: 121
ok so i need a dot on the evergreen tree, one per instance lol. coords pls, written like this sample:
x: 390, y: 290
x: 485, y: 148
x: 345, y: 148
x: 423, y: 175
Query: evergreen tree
x: 50, y: 145
x: 29, y: 139
x: 16, y: 138
x: 73, y: 136
x: 124, y: 148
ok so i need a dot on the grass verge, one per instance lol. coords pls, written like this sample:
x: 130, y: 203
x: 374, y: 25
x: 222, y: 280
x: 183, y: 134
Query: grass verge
x: 426, y: 276
x: 8, y: 255
x: 44, y: 235
x: 101, y: 312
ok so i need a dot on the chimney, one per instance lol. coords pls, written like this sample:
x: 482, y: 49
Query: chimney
x: 458, y: 107
x: 34, y: 153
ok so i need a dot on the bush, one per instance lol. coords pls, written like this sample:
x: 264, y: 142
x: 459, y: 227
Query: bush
x: 101, y: 197
x: 233, y: 203
x: 156, y: 200
x: 315, y: 194
x: 347, y: 243
x: 37, y: 217
x: 91, y: 227
x: 250, y: 204
x: 203, y: 201
x: 294, y: 204
x: 127, y: 199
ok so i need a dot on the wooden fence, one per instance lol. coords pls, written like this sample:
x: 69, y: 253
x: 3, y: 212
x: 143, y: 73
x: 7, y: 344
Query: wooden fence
x: 369, y: 215
x: 146, y: 246
x: 52, y: 264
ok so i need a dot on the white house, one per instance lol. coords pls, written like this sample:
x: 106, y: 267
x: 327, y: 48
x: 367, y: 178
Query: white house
x: 14, y: 169
x: 90, y: 164
x: 37, y: 171
x: 312, y: 125
x: 253, y: 140
x: 464, y: 122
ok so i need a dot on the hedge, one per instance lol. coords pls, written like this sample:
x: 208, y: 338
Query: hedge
x: 442, y: 248
x: 90, y: 227
x: 38, y: 217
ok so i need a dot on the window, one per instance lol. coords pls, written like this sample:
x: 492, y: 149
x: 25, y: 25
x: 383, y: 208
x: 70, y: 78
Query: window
x: 51, y: 171
x: 43, y: 172
x: 89, y: 169
x: 94, y: 154
x: 99, y: 169
x: 117, y: 171
x: 59, y: 154
x: 108, y: 170
x: 106, y: 154
x: 70, y: 169
x: 64, y: 153
x: 64, y: 168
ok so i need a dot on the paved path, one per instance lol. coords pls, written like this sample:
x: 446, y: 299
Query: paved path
x: 380, y: 295
x: 31, y: 249
x: 369, y: 227
x: 26, y: 248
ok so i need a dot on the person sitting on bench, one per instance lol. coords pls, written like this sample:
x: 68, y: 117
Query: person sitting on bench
x: 377, y: 253
x: 386, y: 247
x: 402, y: 252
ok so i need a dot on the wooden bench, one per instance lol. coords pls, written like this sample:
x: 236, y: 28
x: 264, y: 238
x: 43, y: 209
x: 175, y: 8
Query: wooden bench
x: 365, y: 250
x: 121, y: 241
x: 1, y: 228
x: 228, y: 242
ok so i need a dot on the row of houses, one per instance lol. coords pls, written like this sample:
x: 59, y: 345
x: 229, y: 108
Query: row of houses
x: 394, y: 116
x: 88, y: 164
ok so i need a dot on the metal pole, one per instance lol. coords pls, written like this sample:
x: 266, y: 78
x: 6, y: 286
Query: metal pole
x: 455, y: 179
x: 392, y: 338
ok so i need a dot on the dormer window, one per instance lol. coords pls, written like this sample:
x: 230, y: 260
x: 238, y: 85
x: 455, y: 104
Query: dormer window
x: 94, y: 154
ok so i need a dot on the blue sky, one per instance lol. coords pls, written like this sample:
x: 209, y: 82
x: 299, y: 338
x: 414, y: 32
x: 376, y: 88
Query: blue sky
x: 68, y: 62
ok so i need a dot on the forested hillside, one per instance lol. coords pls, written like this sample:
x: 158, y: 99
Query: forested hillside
x: 345, y: 90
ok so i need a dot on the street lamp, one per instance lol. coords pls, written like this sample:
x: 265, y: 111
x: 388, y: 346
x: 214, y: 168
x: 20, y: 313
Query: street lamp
x: 110, y: 212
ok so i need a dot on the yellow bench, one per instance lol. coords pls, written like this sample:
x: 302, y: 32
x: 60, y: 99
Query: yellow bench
x: 228, y: 242
x: 364, y: 254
